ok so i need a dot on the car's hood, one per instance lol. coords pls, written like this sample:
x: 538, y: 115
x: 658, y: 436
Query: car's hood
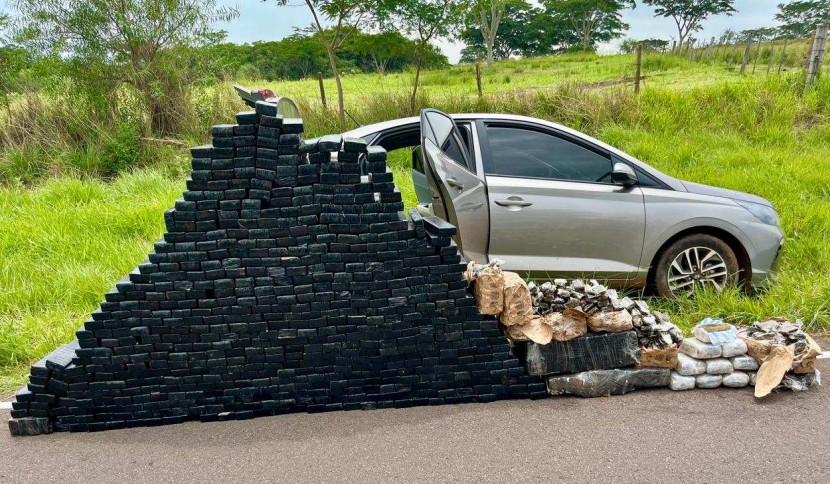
x: 725, y: 193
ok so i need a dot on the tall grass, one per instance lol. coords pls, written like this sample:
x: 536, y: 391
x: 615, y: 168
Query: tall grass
x: 62, y: 246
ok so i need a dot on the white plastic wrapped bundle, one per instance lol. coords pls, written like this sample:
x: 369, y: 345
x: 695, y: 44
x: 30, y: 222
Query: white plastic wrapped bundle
x: 733, y: 348
x: 688, y: 366
x: 736, y: 379
x: 699, y: 349
x: 718, y: 366
x: 708, y: 381
x: 680, y: 382
x: 744, y: 363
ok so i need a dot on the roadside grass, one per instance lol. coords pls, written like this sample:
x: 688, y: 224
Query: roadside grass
x: 62, y: 246
x: 68, y: 233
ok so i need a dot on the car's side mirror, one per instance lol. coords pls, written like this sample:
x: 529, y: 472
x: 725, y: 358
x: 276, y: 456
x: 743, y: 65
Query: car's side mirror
x: 623, y: 175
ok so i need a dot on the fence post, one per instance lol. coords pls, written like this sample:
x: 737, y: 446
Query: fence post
x: 769, y: 61
x: 783, y: 56
x: 746, y: 56
x: 639, y: 68
x: 817, y: 53
x: 478, y: 78
x: 757, y: 54
x: 322, y: 89
x: 690, y: 47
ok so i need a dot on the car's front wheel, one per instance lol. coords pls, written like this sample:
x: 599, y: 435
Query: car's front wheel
x: 695, y: 261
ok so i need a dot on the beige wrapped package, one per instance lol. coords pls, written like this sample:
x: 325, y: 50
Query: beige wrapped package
x: 537, y: 331
x: 611, y: 322
x: 805, y: 362
x: 515, y: 333
x: 775, y: 365
x: 568, y: 325
x: 757, y: 349
x: 489, y: 291
x: 518, y: 307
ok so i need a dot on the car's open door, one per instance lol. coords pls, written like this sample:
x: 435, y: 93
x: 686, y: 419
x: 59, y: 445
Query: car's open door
x: 459, y: 194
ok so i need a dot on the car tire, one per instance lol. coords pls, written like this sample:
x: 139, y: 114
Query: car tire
x: 695, y: 261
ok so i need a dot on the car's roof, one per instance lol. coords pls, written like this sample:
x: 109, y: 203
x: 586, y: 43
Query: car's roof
x: 371, y: 129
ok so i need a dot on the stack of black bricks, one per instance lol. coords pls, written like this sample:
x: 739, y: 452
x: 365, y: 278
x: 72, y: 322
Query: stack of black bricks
x: 289, y: 280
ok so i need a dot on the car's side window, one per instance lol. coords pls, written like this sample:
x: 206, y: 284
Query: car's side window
x: 529, y: 153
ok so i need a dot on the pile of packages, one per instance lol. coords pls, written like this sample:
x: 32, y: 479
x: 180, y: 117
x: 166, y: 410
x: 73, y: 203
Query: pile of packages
x: 579, y: 336
x: 583, y: 339
x: 714, y: 356
x: 562, y: 310
x: 781, y: 353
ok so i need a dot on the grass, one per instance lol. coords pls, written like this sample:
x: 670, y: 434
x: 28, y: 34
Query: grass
x: 66, y: 236
x: 63, y: 245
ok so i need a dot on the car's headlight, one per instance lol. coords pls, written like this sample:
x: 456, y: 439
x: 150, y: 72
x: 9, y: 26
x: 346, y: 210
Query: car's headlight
x: 763, y: 213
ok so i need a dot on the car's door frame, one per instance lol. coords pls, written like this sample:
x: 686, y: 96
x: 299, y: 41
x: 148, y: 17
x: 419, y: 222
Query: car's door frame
x: 474, y: 202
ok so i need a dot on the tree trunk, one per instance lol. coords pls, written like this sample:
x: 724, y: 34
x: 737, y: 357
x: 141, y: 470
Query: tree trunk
x: 341, y: 106
x: 412, y: 98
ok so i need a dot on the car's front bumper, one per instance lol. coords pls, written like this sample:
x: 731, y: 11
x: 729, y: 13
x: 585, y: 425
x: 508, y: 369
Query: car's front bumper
x: 765, y: 254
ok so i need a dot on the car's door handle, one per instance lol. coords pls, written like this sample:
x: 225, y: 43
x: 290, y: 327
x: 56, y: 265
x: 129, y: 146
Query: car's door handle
x: 513, y: 202
x: 453, y: 182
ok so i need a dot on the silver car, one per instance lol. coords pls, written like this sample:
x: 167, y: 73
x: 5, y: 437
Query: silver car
x: 552, y: 201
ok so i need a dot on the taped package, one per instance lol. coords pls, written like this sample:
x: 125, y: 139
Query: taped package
x: 590, y: 352
x: 518, y: 307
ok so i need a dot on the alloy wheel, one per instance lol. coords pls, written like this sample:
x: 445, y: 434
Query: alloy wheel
x: 697, y: 267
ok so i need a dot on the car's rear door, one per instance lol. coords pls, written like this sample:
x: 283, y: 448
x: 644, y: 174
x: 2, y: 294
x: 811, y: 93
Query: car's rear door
x: 553, y: 207
x: 461, y: 196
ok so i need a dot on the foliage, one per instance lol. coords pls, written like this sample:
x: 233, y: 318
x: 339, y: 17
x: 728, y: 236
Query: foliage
x: 801, y: 18
x: 425, y: 20
x: 487, y: 15
x: 346, y: 16
x: 522, y: 32
x: 589, y: 21
x: 689, y: 15
x: 115, y: 42
x: 756, y: 35
x: 629, y: 45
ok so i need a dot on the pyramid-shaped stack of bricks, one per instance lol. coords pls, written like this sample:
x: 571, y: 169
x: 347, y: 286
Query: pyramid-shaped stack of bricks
x: 289, y: 280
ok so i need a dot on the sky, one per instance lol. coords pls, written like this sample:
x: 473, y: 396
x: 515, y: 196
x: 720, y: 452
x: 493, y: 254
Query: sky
x: 265, y: 20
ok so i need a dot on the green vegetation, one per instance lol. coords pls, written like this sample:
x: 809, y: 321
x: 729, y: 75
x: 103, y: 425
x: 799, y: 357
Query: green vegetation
x: 82, y: 196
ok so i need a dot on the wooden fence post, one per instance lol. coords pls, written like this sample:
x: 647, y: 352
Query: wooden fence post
x: 783, y: 56
x: 757, y: 54
x: 817, y: 53
x: 478, y: 78
x: 322, y: 89
x: 639, y: 68
x: 746, y: 56
x: 709, y: 50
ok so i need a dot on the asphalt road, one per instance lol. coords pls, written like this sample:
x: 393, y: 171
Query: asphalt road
x: 701, y: 436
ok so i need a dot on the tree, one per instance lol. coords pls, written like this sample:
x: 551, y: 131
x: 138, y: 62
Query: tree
x: 801, y: 18
x: 521, y: 32
x: 591, y: 21
x: 688, y: 15
x: 488, y: 15
x: 426, y: 20
x: 346, y: 16
x: 629, y: 46
x: 114, y: 42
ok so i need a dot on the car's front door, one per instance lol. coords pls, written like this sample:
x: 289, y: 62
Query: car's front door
x: 553, y: 206
x: 460, y: 193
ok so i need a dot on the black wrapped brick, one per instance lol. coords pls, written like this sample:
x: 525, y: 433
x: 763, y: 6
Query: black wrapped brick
x: 284, y: 283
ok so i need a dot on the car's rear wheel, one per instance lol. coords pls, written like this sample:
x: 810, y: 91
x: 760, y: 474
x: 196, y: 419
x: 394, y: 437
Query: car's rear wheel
x: 695, y: 261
